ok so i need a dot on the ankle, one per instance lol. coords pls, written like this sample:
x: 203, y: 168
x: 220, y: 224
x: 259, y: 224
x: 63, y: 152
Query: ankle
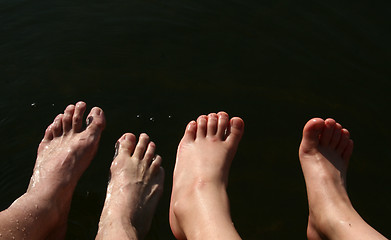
x: 330, y: 223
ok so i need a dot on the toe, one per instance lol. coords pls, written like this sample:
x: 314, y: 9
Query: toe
x: 48, y: 133
x: 222, y: 125
x: 156, y: 164
x: 57, y: 126
x: 336, y: 135
x: 327, y: 132
x: 67, y: 119
x: 344, y: 141
x: 149, y: 153
x: 348, y: 151
x: 311, y: 133
x: 235, y: 131
x: 77, y: 120
x: 212, y: 124
x: 190, y: 132
x: 141, y: 146
x: 96, y: 120
x: 126, y: 144
x: 201, y: 126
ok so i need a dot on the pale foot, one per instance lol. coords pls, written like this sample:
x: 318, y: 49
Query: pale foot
x: 199, y: 206
x: 134, y: 190
x: 324, y: 154
x: 63, y: 155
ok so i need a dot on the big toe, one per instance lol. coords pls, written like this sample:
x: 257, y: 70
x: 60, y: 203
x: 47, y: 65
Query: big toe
x: 311, y: 133
x: 190, y: 132
x: 96, y: 120
x: 125, y: 146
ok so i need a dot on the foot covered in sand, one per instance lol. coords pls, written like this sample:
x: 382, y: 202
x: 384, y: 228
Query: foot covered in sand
x: 134, y: 190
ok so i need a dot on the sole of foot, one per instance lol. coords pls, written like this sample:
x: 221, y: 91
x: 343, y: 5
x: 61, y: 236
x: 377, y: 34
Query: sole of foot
x: 134, y: 190
x: 199, y: 205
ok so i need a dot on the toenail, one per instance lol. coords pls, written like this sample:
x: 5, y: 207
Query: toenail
x: 116, y: 149
x: 89, y: 120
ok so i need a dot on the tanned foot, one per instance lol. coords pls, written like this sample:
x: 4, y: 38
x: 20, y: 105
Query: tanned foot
x: 63, y: 155
x: 134, y: 189
x: 199, y: 206
x: 324, y: 154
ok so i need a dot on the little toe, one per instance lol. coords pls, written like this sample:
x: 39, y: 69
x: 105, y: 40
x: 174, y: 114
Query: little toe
x: 348, y: 151
x: 212, y: 124
x: 67, y: 119
x: 336, y: 135
x: 222, y: 125
x: 77, y: 120
x: 96, y: 120
x: 201, y: 126
x: 311, y: 133
x: 156, y: 165
x: 344, y: 141
x: 149, y: 153
x: 190, y: 132
x: 235, y: 131
x: 327, y: 132
x: 141, y: 146
x: 48, y: 133
x: 57, y: 126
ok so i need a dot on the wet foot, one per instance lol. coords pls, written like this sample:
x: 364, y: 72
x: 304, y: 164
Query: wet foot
x: 324, y: 154
x: 199, y: 206
x: 63, y: 155
x: 134, y: 190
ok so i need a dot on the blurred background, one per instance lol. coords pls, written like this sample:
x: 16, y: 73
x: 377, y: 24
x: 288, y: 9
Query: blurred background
x: 154, y: 65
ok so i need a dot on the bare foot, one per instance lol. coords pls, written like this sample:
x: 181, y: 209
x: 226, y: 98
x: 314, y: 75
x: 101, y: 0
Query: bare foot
x: 63, y: 155
x: 134, y: 189
x: 324, y: 154
x: 199, y: 206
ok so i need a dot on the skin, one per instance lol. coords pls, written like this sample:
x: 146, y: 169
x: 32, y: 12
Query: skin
x: 64, y: 154
x: 134, y: 189
x: 199, y: 206
x: 324, y: 155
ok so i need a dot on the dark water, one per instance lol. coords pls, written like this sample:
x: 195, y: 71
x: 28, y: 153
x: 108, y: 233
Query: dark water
x: 274, y: 63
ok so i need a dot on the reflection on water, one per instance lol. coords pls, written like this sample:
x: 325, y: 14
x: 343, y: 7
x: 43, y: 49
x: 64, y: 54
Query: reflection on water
x: 274, y: 63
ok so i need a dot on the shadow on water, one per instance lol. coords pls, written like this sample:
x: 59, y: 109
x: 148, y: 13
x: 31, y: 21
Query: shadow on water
x: 155, y: 65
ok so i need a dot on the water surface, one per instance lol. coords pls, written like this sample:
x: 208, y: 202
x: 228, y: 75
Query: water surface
x: 155, y: 65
